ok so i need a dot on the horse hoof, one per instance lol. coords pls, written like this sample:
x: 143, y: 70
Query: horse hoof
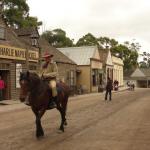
x: 40, y: 135
x: 65, y: 123
x: 62, y: 129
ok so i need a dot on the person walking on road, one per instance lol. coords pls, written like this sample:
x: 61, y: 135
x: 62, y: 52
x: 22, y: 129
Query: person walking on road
x: 109, y: 87
x: 2, y: 86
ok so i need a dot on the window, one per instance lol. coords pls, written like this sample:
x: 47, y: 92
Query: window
x: 71, y: 77
x: 34, y: 42
x: 2, y: 33
x: 95, y: 77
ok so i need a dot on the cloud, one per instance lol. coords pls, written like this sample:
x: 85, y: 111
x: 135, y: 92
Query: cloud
x: 113, y: 18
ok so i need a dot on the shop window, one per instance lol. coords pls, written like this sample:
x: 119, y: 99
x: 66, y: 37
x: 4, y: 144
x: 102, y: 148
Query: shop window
x: 2, y: 33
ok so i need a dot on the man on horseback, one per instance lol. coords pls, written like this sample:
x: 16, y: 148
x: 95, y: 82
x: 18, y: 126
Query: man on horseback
x: 49, y: 72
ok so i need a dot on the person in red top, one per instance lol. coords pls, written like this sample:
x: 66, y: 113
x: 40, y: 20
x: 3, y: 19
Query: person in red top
x: 2, y: 86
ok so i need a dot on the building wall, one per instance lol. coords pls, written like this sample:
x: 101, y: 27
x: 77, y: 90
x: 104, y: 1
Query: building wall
x: 118, y: 70
x: 83, y: 78
x: 64, y: 72
x: 9, y: 57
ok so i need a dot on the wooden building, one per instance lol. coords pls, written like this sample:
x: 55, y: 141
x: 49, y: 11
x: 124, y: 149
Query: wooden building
x: 15, y: 56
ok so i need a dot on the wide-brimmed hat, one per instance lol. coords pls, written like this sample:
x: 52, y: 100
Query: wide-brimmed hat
x: 47, y: 54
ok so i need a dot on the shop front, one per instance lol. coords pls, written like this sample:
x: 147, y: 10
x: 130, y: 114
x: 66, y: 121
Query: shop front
x: 13, y: 61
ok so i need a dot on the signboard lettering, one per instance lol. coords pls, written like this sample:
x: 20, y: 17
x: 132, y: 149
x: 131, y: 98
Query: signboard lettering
x: 17, y: 53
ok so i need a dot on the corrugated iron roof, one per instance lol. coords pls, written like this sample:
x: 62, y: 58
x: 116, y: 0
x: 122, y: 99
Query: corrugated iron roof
x: 80, y: 55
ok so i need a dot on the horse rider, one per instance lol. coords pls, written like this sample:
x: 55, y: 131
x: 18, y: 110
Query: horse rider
x: 49, y: 72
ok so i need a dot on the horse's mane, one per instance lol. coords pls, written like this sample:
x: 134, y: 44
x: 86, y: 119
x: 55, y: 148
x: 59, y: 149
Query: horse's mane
x: 34, y: 78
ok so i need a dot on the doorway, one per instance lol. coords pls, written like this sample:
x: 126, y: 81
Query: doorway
x: 5, y: 74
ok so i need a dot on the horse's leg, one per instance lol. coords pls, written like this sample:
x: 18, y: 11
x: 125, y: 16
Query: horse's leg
x: 65, y: 109
x: 39, y: 129
x: 60, y: 109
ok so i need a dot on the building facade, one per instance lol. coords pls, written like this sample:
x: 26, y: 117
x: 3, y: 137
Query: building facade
x: 141, y: 77
x: 118, y: 70
x: 89, y: 66
x: 112, y: 66
x: 15, y: 56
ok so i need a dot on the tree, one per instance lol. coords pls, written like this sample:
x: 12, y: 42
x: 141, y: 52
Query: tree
x: 146, y: 60
x: 106, y: 42
x: 57, y: 38
x: 16, y: 14
x: 128, y: 52
x: 128, y: 55
x: 87, y: 40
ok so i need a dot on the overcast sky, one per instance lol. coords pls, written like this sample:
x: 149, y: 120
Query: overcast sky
x: 120, y: 19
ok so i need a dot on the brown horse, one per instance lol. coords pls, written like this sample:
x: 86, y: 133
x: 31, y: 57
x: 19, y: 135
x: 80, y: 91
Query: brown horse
x: 38, y: 93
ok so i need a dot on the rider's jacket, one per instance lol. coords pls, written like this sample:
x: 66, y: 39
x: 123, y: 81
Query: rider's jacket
x: 49, y: 70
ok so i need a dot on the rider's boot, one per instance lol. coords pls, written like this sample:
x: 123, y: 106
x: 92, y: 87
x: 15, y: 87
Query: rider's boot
x: 52, y: 103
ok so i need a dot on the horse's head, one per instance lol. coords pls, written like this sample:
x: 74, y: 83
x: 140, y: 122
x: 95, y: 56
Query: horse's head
x: 24, y: 85
x: 28, y: 83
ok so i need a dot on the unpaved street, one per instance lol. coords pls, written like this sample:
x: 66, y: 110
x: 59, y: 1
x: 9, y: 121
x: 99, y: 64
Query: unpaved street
x: 93, y: 124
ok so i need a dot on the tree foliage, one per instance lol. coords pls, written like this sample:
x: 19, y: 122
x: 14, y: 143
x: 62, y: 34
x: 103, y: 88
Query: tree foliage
x: 16, y: 14
x: 57, y: 38
x: 146, y: 60
x: 87, y: 40
x: 127, y: 51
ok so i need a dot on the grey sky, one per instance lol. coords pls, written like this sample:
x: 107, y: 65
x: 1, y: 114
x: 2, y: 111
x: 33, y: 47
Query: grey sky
x: 119, y: 19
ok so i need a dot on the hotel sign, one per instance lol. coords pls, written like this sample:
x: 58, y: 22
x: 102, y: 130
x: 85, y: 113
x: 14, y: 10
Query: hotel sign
x: 18, y: 53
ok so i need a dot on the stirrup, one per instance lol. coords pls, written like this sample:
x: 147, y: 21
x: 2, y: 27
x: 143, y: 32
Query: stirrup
x: 51, y: 104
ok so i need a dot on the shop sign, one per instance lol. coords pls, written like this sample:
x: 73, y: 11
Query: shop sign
x: 18, y: 53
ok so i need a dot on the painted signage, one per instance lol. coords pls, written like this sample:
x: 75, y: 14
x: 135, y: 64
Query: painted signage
x: 18, y: 53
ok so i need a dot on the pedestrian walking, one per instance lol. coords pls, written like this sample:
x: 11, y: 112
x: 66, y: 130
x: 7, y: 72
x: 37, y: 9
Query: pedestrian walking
x: 109, y: 87
x: 2, y: 86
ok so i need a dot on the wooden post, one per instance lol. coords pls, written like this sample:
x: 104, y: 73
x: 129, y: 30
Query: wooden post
x: 27, y: 58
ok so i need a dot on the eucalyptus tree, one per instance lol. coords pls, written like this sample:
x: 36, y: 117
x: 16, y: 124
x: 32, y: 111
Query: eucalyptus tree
x: 87, y: 40
x: 57, y: 38
x: 16, y: 14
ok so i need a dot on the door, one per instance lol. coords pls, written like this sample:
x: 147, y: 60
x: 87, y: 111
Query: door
x: 5, y: 74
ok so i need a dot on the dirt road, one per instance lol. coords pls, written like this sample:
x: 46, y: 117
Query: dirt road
x: 93, y: 124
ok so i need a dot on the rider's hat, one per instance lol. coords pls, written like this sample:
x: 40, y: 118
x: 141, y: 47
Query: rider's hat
x: 47, y: 54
